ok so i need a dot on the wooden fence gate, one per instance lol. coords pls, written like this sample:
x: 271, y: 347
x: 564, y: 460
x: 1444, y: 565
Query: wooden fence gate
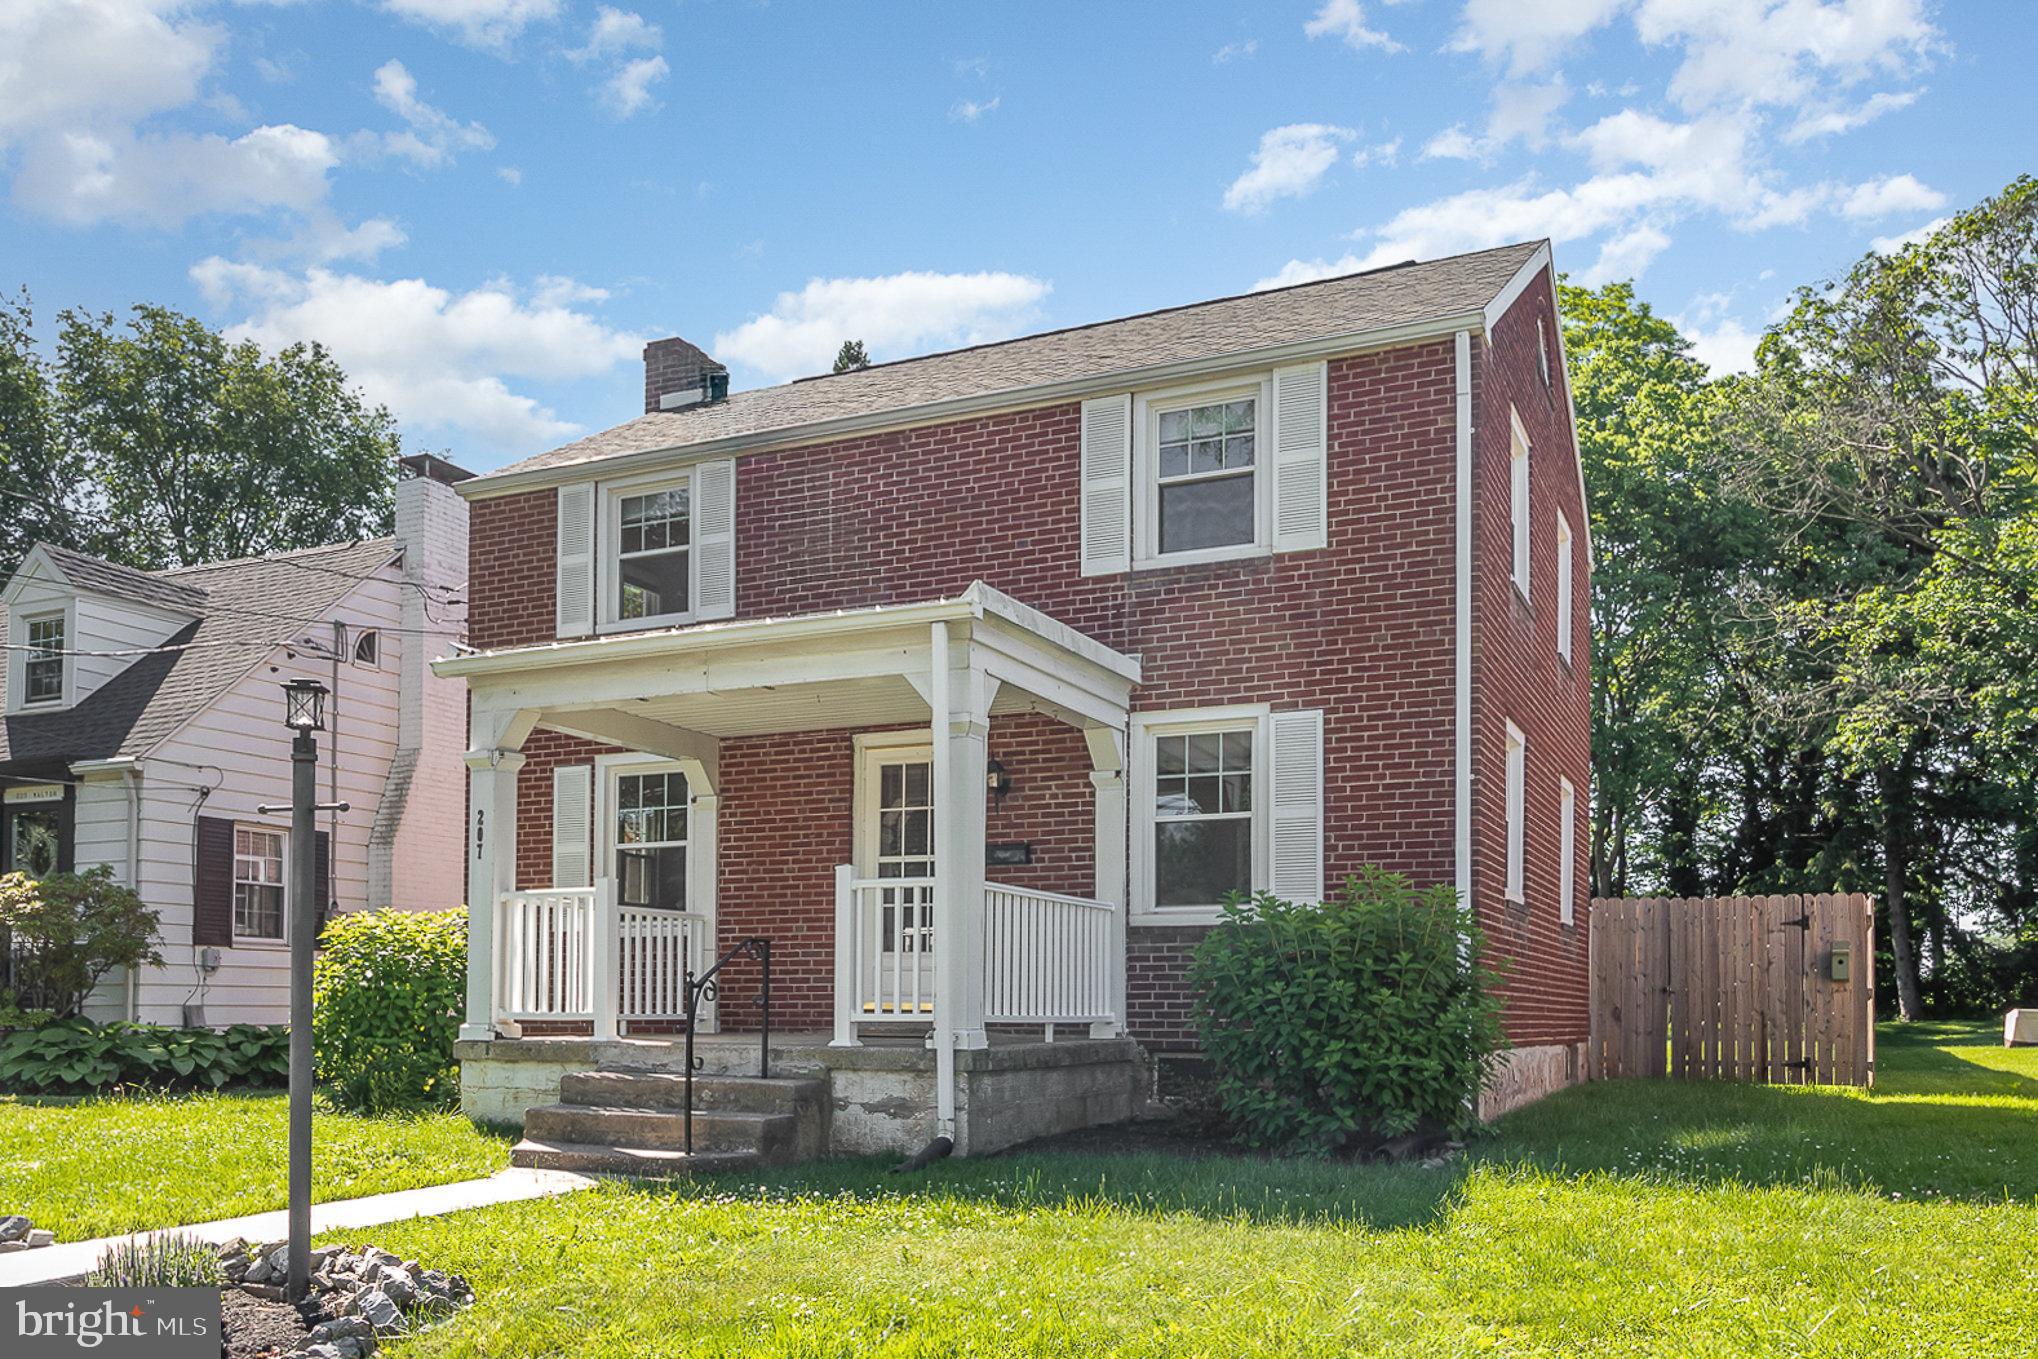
x: 1778, y: 989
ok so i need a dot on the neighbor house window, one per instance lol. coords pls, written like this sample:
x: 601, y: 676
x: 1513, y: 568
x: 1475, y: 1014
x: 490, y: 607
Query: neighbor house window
x: 43, y: 677
x: 368, y: 648
x: 258, y: 883
x: 1518, y: 501
x: 651, y: 825
x: 654, y: 536
x: 1567, y: 812
x: 1203, y: 806
x: 1517, y: 814
x: 1563, y: 586
x: 35, y: 830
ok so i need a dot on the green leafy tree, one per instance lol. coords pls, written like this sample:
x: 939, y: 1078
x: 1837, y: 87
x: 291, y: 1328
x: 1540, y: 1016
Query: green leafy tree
x: 42, y: 477
x: 68, y: 931
x: 851, y: 355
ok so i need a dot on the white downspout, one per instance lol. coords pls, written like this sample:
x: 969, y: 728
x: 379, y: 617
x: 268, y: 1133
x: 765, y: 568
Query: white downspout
x: 131, y: 777
x: 947, y: 988
x: 1462, y: 660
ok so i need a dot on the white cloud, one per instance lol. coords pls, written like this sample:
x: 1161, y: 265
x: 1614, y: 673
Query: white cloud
x: 1626, y: 256
x: 628, y: 91
x: 1724, y: 346
x: 488, y: 24
x: 1890, y: 245
x: 1386, y: 154
x: 1891, y: 195
x: 970, y: 110
x: 1827, y: 122
x: 1778, y: 51
x: 1529, y: 35
x: 559, y: 290
x: 1235, y: 51
x: 85, y: 177
x: 72, y: 65
x: 1308, y: 271
x: 438, y: 359
x: 509, y: 174
x: 1519, y: 112
x: 1347, y: 19
x: 1453, y: 143
x: 1290, y: 162
x: 895, y: 315
x: 434, y: 136
x: 616, y: 31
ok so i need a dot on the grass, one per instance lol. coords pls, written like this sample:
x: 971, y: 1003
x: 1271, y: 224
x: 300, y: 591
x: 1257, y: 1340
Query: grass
x: 1620, y: 1219
x: 99, y: 1167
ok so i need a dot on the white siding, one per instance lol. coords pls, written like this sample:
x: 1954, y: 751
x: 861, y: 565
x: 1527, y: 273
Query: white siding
x: 115, y: 625
x: 99, y: 836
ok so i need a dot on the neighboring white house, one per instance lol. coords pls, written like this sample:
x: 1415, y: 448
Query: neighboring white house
x: 143, y: 729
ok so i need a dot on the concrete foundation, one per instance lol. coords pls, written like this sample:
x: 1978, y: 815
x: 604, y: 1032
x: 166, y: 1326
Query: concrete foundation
x: 1524, y: 1075
x: 881, y: 1096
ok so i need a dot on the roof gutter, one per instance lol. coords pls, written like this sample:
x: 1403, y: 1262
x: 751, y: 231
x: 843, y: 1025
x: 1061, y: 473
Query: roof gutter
x: 935, y: 412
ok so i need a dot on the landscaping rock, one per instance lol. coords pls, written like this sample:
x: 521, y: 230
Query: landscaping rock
x: 379, y: 1310
x: 6, y: 1246
x: 41, y: 1236
x: 13, y: 1227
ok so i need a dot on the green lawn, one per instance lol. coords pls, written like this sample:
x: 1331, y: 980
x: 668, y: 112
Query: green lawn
x: 103, y: 1166
x: 1613, y: 1220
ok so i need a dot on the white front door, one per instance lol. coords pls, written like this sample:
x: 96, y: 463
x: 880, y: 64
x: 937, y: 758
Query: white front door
x: 895, y: 839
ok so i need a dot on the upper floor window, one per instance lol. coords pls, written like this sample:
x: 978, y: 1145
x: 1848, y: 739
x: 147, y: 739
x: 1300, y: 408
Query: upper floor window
x: 1563, y: 586
x: 258, y: 883
x: 654, y: 537
x: 1205, y: 456
x: 1518, y: 500
x: 368, y: 648
x: 43, y: 673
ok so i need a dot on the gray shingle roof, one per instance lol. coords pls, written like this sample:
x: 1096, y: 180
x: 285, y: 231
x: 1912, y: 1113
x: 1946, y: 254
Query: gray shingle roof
x: 249, y: 607
x: 1400, y: 295
x: 123, y: 582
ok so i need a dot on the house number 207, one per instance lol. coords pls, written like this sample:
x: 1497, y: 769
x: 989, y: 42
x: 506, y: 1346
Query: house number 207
x: 480, y: 828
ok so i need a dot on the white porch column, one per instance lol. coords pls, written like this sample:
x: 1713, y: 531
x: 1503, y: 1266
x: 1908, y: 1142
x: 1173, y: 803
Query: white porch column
x: 1107, y: 777
x: 491, y: 871
x: 703, y: 864
x: 606, y: 975
x: 846, y: 961
x: 961, y: 724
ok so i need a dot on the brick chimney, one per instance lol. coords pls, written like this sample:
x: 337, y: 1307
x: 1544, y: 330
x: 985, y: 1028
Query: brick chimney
x: 678, y: 374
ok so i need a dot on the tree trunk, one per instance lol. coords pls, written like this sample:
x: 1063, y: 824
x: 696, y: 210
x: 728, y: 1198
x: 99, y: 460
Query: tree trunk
x: 1902, y: 952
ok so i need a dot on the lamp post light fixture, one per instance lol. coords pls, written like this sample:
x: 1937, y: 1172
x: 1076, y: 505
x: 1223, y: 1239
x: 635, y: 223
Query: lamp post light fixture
x: 304, y: 705
x: 304, y: 713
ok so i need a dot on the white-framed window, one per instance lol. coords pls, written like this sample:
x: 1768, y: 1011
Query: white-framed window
x: 1202, y: 474
x: 652, y: 810
x: 368, y: 649
x: 258, y: 882
x: 1199, y: 812
x: 1563, y: 586
x: 648, y: 575
x: 1518, y: 499
x: 43, y: 667
x: 1517, y: 811
x: 1567, y: 812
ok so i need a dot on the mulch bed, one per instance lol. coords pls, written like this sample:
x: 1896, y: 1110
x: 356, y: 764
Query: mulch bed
x: 253, y: 1328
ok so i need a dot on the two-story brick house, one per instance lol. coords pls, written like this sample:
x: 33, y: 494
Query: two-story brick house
x: 975, y: 682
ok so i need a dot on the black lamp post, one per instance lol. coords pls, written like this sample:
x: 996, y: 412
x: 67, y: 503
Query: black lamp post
x: 304, y: 712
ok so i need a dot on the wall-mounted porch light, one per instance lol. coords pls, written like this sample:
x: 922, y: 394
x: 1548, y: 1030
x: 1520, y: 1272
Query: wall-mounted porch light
x: 997, y: 780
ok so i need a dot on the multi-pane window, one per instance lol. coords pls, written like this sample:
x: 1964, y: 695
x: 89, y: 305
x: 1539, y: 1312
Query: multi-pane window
x: 1204, y: 458
x: 1563, y: 586
x: 43, y: 679
x: 905, y: 819
x: 651, y: 821
x: 1567, y: 813
x: 1518, y: 501
x: 1517, y: 810
x: 258, y: 883
x: 1203, y: 817
x: 655, y: 531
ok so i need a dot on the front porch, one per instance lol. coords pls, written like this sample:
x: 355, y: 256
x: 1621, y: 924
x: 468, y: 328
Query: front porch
x: 702, y: 786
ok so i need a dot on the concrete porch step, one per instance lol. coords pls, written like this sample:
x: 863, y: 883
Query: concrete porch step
x: 648, y: 1089
x: 773, y: 1138
x: 595, y: 1159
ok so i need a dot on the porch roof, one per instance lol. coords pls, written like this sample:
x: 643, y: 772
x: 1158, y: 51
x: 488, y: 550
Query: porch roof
x: 841, y: 668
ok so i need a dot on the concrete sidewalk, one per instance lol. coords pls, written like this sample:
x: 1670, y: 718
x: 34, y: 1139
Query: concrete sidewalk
x: 69, y: 1261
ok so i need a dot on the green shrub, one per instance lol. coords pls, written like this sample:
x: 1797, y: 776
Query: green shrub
x: 68, y: 931
x: 166, y: 1261
x: 1341, y: 1025
x: 387, y: 995
x: 75, y: 1056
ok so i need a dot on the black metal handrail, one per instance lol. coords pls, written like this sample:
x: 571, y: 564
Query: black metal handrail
x: 705, y: 987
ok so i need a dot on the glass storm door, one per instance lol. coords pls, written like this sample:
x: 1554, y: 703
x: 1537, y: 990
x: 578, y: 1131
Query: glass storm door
x: 896, y: 840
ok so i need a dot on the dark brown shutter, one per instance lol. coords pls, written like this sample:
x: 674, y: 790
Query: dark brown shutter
x: 212, y: 896
x: 322, y: 874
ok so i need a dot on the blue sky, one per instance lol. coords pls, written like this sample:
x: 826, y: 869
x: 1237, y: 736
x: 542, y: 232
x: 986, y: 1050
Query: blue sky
x: 485, y: 207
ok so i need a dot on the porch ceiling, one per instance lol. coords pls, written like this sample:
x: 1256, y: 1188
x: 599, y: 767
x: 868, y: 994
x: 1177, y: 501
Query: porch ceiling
x: 879, y: 701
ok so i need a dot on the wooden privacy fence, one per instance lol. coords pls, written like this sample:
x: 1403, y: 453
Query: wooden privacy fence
x: 1778, y: 989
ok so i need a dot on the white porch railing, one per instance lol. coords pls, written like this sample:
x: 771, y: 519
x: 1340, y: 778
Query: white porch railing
x: 572, y: 954
x: 1047, y: 958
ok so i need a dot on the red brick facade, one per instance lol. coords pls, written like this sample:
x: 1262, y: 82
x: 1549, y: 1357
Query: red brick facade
x: 1364, y: 629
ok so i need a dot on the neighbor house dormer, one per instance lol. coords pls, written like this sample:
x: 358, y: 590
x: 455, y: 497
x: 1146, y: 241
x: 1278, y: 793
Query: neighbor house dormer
x: 75, y: 621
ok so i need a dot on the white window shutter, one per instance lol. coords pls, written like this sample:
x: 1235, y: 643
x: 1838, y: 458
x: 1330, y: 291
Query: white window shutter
x: 572, y: 825
x: 714, y: 539
x: 576, y: 560
x: 1297, y: 806
x: 1301, y: 458
x: 1107, y: 485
